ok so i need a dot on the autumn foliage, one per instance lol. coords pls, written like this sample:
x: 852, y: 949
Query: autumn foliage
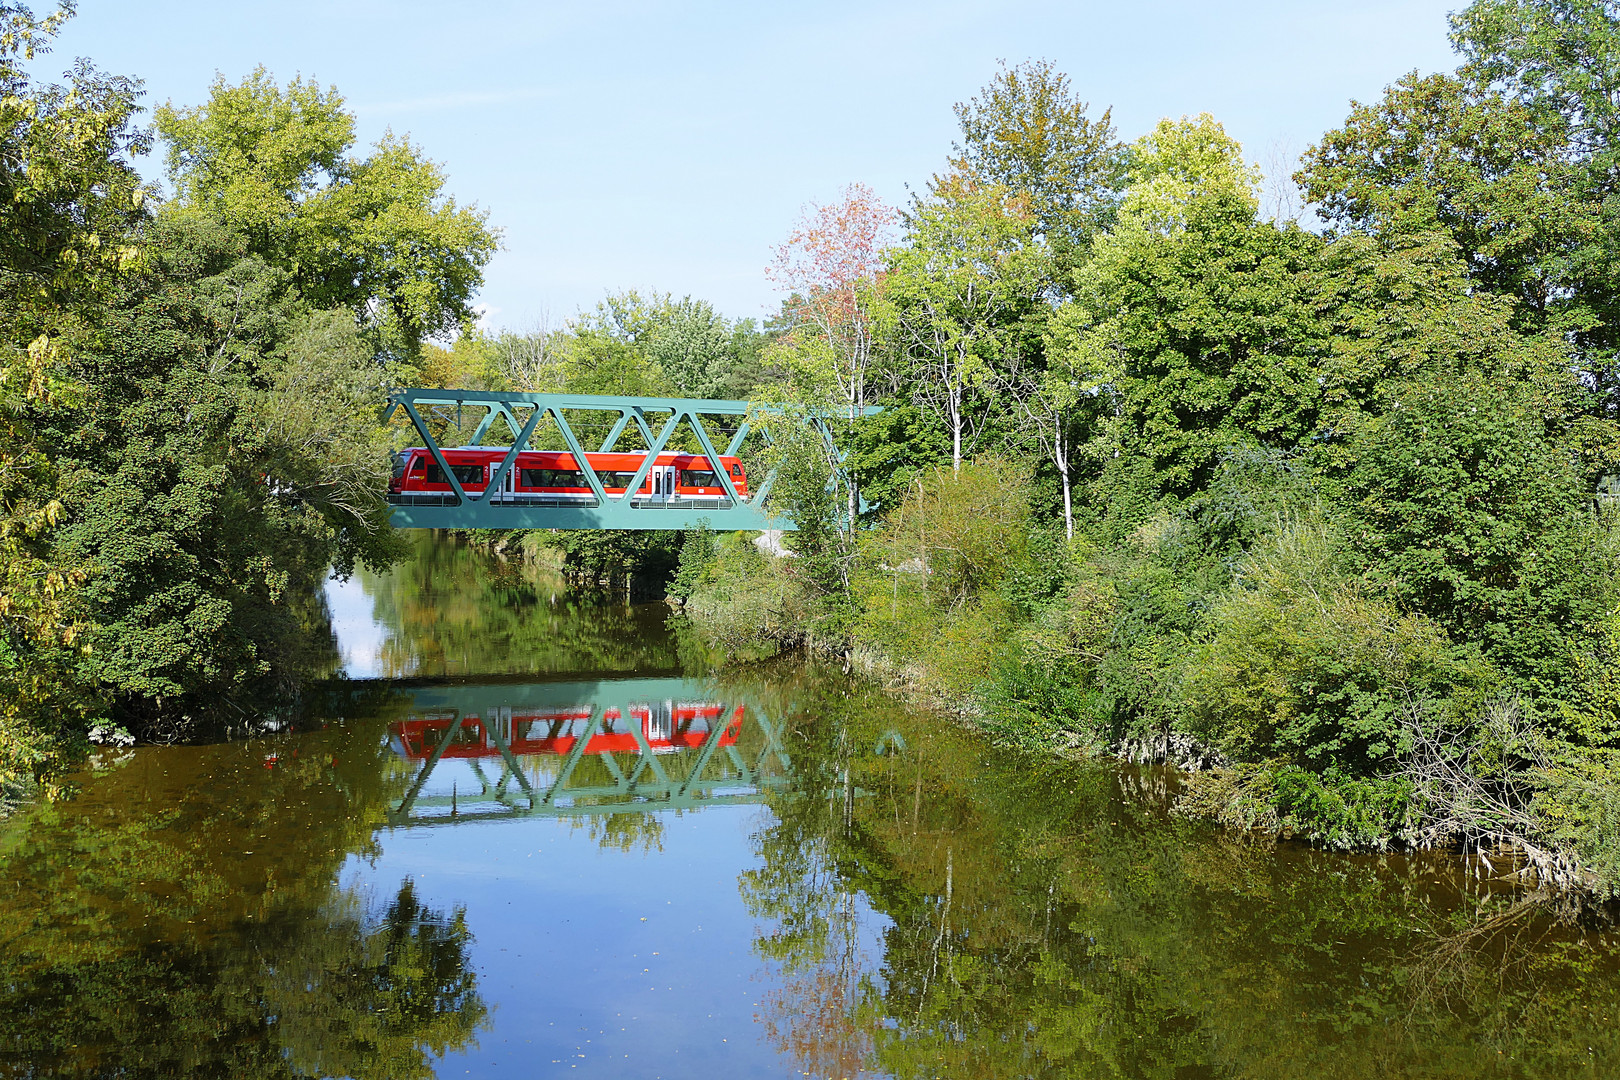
x: 829, y: 265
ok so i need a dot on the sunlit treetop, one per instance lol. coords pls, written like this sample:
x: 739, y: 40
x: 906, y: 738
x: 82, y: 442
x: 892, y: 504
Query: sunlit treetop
x: 1180, y: 160
x: 1028, y: 132
x: 377, y: 235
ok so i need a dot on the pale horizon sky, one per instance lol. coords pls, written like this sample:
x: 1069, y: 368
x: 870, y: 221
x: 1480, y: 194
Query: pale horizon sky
x: 669, y: 147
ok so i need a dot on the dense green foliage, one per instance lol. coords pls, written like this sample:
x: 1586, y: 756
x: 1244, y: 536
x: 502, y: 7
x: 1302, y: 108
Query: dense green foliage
x: 190, y: 389
x: 1319, y: 510
x: 1155, y: 474
x: 375, y: 236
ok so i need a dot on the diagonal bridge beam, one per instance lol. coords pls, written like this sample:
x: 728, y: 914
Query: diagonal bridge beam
x: 465, y: 509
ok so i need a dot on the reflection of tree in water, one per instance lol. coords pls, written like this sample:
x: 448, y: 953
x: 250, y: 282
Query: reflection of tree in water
x: 372, y: 996
x: 1048, y: 920
x: 454, y: 609
x: 817, y: 968
x: 626, y: 832
x: 180, y: 918
x: 336, y: 993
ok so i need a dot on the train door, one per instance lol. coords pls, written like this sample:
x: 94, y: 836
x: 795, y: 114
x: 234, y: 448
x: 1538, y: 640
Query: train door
x: 663, y: 483
x: 660, y: 729
x: 508, y: 489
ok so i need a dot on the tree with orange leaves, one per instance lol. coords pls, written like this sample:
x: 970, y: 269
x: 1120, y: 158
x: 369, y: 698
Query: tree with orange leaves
x: 831, y: 267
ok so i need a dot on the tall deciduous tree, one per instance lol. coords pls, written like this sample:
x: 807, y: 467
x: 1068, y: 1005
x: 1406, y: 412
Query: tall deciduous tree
x: 1514, y: 155
x: 963, y: 295
x: 69, y: 199
x: 1193, y: 319
x: 1440, y: 152
x: 692, y: 344
x: 225, y: 456
x: 377, y: 235
x: 831, y: 266
x: 1028, y: 132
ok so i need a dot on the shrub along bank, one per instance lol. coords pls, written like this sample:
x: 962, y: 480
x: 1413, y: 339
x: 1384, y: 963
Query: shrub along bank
x: 1411, y: 643
x: 1315, y: 511
x: 1313, y: 702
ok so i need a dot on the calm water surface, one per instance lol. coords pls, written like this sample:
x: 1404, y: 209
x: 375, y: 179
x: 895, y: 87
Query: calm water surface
x: 533, y: 837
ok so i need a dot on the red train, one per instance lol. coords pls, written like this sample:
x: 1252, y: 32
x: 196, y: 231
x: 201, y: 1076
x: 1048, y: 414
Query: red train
x: 667, y: 727
x: 550, y: 477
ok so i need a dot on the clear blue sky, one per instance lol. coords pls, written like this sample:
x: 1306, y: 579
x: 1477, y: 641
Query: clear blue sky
x: 669, y: 146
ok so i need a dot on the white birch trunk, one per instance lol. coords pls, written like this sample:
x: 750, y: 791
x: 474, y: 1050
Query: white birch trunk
x: 1060, y: 446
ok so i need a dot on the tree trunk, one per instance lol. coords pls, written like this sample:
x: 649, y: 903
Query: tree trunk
x: 857, y: 402
x: 1060, y: 444
x: 956, y: 439
x: 956, y: 430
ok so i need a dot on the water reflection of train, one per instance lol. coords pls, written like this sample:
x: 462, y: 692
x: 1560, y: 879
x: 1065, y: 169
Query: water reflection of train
x: 665, y: 727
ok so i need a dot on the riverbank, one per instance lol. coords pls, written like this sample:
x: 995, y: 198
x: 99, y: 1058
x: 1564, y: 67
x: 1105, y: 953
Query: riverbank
x: 1303, y: 700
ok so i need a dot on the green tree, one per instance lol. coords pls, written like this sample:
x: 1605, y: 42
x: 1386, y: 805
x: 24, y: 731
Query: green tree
x: 1513, y: 155
x: 223, y: 459
x: 1441, y: 152
x: 1026, y: 131
x: 606, y: 353
x: 1471, y: 498
x: 692, y: 345
x: 69, y: 199
x: 1195, y: 324
x: 964, y: 294
x: 377, y: 235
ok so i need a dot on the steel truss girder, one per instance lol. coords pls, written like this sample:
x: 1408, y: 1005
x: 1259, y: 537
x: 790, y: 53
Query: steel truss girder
x: 476, y: 511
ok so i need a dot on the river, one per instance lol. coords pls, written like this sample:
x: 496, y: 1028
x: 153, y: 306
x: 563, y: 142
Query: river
x: 533, y: 834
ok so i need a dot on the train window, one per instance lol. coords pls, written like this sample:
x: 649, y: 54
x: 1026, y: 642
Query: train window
x: 736, y: 471
x: 467, y: 474
x: 552, y: 478
x: 699, y: 478
x: 399, y: 467
x: 615, y: 481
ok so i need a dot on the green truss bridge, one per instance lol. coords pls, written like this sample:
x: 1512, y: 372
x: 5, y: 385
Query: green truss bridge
x: 642, y: 426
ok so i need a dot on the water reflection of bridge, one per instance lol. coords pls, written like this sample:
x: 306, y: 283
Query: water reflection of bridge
x: 581, y: 749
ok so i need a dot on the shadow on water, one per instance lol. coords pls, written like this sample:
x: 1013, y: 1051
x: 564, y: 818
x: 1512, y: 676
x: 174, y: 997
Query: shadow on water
x: 909, y: 900
x: 453, y: 610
